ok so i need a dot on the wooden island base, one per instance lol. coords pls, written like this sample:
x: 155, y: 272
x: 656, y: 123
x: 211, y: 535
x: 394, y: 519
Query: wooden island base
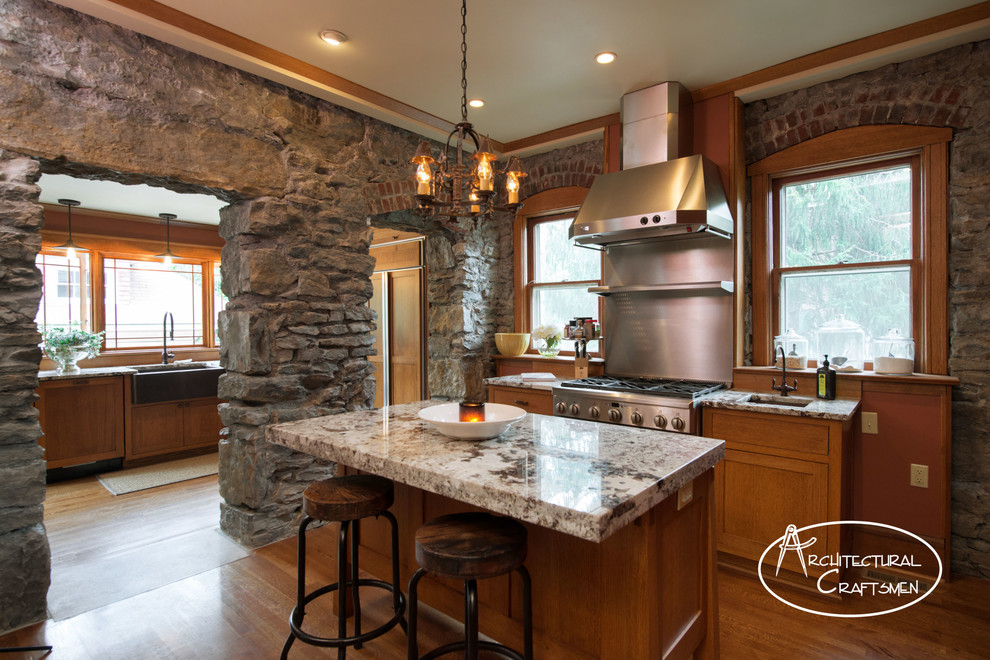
x: 646, y: 592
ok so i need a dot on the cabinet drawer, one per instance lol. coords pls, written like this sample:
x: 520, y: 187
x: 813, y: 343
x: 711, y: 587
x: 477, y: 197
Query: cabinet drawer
x: 770, y: 431
x: 530, y: 400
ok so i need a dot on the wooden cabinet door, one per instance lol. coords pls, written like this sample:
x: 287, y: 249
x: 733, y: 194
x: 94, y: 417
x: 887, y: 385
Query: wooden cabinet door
x: 405, y: 342
x: 155, y: 429
x: 82, y: 419
x: 201, y: 423
x: 759, y: 495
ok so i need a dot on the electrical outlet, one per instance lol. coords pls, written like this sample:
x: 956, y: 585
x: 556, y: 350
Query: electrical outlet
x: 870, y: 422
x: 919, y: 475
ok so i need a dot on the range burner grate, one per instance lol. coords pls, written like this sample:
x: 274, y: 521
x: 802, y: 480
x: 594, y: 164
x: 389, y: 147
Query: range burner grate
x: 673, y: 387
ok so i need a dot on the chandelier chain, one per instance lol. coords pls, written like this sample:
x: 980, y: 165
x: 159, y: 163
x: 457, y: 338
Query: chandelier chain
x: 463, y: 60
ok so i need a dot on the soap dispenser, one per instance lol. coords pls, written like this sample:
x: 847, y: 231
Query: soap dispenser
x: 826, y: 381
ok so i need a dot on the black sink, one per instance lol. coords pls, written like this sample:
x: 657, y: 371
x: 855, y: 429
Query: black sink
x: 174, y: 384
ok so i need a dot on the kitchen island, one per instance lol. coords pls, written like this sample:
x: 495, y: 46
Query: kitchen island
x: 621, y: 544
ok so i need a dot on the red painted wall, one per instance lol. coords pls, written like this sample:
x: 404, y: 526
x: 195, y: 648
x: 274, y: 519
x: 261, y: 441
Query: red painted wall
x: 909, y: 430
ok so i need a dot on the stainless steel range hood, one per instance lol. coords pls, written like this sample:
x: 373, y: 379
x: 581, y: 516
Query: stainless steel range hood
x: 656, y: 194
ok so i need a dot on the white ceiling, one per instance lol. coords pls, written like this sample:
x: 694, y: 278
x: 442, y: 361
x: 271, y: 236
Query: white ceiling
x: 139, y: 200
x: 532, y: 61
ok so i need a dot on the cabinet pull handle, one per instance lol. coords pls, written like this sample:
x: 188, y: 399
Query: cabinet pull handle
x: 80, y: 381
x: 521, y: 403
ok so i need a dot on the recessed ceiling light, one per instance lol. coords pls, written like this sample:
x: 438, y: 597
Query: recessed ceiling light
x: 476, y: 103
x: 333, y: 37
x: 605, y: 58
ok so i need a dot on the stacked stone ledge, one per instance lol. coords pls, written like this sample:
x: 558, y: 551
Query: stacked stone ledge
x: 24, y: 552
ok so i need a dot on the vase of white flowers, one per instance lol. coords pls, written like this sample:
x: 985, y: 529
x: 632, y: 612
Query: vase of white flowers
x: 66, y: 346
x: 547, y: 340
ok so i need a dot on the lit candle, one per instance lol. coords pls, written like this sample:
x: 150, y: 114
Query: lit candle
x: 471, y: 411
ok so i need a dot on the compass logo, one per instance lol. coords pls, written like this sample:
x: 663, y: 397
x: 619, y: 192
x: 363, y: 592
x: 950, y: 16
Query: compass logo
x: 793, y: 542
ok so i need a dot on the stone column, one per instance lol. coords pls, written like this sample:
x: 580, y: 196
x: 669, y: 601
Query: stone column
x: 25, y: 560
x: 295, y: 339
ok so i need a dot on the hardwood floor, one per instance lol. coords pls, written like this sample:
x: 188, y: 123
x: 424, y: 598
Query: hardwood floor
x: 230, y: 606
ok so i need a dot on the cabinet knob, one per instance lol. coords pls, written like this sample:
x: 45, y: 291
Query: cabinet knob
x: 521, y: 403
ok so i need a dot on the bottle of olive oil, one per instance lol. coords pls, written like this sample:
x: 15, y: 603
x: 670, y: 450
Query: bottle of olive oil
x: 826, y: 381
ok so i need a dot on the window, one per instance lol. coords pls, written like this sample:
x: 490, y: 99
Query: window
x: 553, y: 278
x: 845, y: 226
x: 138, y: 295
x: 65, y: 300
x: 129, y: 300
x: 846, y: 249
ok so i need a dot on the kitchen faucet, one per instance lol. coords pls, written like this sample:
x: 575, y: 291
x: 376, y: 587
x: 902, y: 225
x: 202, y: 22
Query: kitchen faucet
x: 165, y: 337
x: 784, y: 387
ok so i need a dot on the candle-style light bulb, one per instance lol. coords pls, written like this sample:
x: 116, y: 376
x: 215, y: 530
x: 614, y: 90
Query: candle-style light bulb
x: 423, y: 177
x: 512, y: 187
x: 484, y: 174
x: 513, y: 174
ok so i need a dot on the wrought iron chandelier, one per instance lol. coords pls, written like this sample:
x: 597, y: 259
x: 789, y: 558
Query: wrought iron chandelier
x: 459, y: 189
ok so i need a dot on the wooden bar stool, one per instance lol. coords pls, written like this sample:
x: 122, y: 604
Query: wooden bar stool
x: 471, y: 547
x: 346, y: 500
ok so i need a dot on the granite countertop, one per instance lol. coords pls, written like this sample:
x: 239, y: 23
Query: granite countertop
x: 581, y: 478
x: 835, y: 409
x: 517, y: 381
x: 96, y: 372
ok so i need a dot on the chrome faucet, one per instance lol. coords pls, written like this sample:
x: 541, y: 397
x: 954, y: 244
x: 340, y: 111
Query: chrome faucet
x: 167, y: 319
x: 784, y: 387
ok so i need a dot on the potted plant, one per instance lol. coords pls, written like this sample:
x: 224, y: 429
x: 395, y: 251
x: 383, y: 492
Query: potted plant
x: 548, y: 340
x: 66, y: 346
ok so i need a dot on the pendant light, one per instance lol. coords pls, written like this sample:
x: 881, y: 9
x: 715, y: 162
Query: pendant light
x: 69, y: 246
x: 167, y: 255
x: 455, y: 188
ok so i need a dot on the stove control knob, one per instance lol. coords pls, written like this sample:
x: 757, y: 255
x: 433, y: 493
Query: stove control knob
x: 614, y: 415
x: 575, y: 409
x: 656, y: 219
x: 561, y: 408
x: 637, y: 418
x: 644, y: 220
x: 678, y: 424
x: 594, y: 412
x: 660, y: 421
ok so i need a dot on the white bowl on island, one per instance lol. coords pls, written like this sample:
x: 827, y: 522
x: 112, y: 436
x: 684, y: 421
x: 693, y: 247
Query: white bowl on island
x: 446, y: 419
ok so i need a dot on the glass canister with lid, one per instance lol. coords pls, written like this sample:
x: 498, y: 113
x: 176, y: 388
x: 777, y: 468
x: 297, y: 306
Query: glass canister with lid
x: 795, y: 350
x: 844, y: 342
x: 893, y: 353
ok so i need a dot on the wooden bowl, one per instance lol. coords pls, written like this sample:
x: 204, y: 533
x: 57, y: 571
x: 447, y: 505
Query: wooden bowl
x: 512, y: 343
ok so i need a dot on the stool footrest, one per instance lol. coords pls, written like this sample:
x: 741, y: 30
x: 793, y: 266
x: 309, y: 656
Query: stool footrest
x: 337, y: 642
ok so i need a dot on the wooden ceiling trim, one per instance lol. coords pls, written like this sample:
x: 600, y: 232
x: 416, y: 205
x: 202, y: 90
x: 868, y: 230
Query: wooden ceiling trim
x: 218, y: 35
x: 852, y: 49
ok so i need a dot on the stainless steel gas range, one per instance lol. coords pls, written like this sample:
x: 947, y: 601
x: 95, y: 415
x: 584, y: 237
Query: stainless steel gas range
x: 660, y: 403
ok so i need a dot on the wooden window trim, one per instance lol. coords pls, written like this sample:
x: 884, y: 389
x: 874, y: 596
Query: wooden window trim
x: 862, y: 144
x: 541, y: 207
x: 101, y: 247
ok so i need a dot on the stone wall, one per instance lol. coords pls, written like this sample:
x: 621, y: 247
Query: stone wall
x: 947, y: 88
x: 24, y: 556
x: 84, y: 97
